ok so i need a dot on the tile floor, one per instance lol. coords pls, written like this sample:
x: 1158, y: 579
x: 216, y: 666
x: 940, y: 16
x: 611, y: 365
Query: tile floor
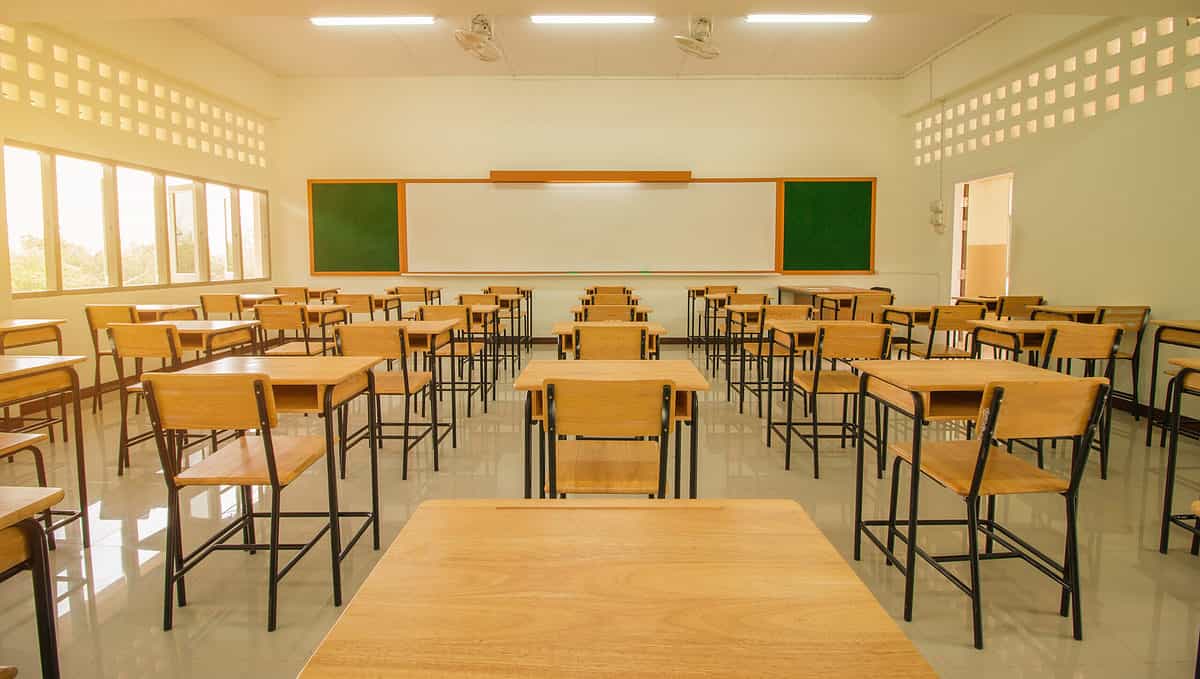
x: 1141, y: 609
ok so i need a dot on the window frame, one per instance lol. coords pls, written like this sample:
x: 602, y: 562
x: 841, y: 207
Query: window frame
x: 163, y: 247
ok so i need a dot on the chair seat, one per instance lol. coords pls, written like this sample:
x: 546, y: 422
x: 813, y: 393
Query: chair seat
x: 952, y: 464
x: 243, y: 462
x: 1196, y: 507
x: 618, y: 467
x: 296, y: 349
x: 392, y: 383
x: 831, y: 382
x: 942, y: 351
x: 12, y: 442
x: 460, y: 349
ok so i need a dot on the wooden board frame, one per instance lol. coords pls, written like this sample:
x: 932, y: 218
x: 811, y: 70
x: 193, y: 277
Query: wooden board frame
x: 568, y: 176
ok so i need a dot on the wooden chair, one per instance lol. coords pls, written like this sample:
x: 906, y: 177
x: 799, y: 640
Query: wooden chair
x: 1133, y: 319
x: 502, y: 334
x: 1090, y: 344
x: 610, y: 299
x: 412, y: 293
x: 98, y: 317
x: 869, y: 307
x: 293, y: 294
x: 611, y: 343
x: 619, y: 312
x: 952, y: 320
x: 1016, y: 307
x: 230, y: 304
x: 835, y: 343
x: 609, y: 290
x: 138, y: 342
x: 757, y: 350
x: 461, y: 348
x: 13, y: 444
x: 518, y: 315
x: 975, y: 469
x: 712, y: 333
x: 179, y: 403
x: 284, y: 318
x: 1184, y: 383
x: 359, y: 304
x: 24, y: 547
x: 391, y: 342
x: 639, y: 412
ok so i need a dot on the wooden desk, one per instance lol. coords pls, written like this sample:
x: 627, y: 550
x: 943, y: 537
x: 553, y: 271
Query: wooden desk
x: 320, y: 294
x: 992, y: 304
x: 926, y: 391
x: 28, y: 332
x: 565, y: 333
x: 1179, y: 333
x: 1079, y: 314
x: 681, y: 373
x: 908, y: 317
x: 320, y: 384
x: 388, y: 303
x: 251, y: 298
x: 26, y: 378
x: 163, y: 312
x: 23, y: 543
x: 637, y: 588
x: 325, y: 315
x: 1015, y: 336
x: 812, y: 292
x: 640, y: 313
x: 210, y: 336
x: 633, y: 298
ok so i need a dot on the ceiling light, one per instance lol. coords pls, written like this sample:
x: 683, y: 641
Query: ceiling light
x: 808, y: 18
x: 372, y: 21
x: 592, y: 19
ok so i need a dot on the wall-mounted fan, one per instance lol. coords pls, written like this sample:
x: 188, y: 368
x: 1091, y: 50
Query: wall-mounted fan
x: 698, y: 41
x: 479, y: 40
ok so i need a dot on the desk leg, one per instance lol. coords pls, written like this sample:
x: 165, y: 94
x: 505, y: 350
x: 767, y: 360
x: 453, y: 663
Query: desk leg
x: 910, y: 562
x: 695, y: 439
x: 678, y: 457
x: 373, y: 417
x: 858, y: 466
x: 528, y: 445
x: 1172, y: 456
x: 43, y: 595
x: 80, y: 464
x: 1153, y: 390
x: 434, y: 425
x: 335, y: 532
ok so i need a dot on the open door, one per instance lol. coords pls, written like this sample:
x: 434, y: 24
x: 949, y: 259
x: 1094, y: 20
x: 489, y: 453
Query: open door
x: 982, y: 236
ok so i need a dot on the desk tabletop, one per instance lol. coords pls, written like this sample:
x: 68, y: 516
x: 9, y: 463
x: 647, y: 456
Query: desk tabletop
x: 324, y: 308
x: 1021, y: 326
x: 322, y: 291
x: 681, y: 372
x: 19, y: 324
x: 289, y: 370
x: 207, y: 327
x: 19, y: 366
x: 797, y: 327
x: 568, y: 327
x: 976, y: 299
x: 637, y: 308
x: 952, y: 375
x: 21, y: 502
x: 818, y: 289
x: 1193, y: 326
x: 634, y: 588
x: 163, y: 308
x: 258, y: 296
x: 414, y: 327
x: 1065, y: 309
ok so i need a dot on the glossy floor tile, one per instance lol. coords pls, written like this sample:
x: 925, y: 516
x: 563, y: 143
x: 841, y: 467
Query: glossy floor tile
x: 1141, y: 608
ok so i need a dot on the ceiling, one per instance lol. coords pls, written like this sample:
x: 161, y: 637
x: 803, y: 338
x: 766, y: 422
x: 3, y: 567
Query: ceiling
x: 889, y: 45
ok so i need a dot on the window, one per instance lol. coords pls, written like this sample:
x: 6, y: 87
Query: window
x: 253, y: 207
x: 221, y: 253
x: 181, y: 226
x: 137, y: 225
x: 77, y: 223
x: 81, y: 229
x: 26, y: 219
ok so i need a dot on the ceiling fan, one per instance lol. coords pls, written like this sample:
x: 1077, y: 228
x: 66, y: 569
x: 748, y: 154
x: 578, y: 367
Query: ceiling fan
x: 698, y: 40
x: 479, y: 40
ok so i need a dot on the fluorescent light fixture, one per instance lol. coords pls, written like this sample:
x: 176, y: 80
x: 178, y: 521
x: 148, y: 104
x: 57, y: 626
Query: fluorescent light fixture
x: 372, y: 21
x: 592, y: 19
x: 808, y: 18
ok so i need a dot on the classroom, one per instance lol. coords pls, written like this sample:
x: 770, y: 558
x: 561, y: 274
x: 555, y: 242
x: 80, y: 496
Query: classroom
x: 586, y: 338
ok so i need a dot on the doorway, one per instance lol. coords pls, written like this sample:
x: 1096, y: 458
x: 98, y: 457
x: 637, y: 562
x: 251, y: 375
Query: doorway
x: 982, y: 237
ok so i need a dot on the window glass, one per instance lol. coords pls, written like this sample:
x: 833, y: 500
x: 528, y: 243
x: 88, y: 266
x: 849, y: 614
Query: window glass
x: 137, y: 226
x: 221, y: 255
x: 26, y: 219
x: 181, y: 227
x: 251, y: 205
x: 81, y: 223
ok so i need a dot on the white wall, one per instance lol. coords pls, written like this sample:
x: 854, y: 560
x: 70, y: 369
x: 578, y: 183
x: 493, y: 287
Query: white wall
x: 465, y: 127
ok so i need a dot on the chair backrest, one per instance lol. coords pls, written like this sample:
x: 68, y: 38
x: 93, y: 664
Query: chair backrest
x: 1132, y: 318
x: 1086, y: 341
x: 610, y: 290
x: 880, y: 288
x: 1017, y: 306
x: 869, y: 307
x: 469, y: 299
x: 787, y: 312
x: 447, y: 312
x: 619, y: 312
x: 611, y: 343
x: 293, y: 294
x: 1042, y: 408
x: 410, y: 293
x: 359, y: 303
x: 143, y: 340
x: 609, y: 299
x: 503, y: 290
x: 280, y: 316
x: 853, y: 341
x: 100, y: 315
x: 720, y: 289
x: 955, y: 317
x: 209, y: 402
x: 608, y: 407
x: 385, y: 341
x: 221, y: 304
x: 747, y: 298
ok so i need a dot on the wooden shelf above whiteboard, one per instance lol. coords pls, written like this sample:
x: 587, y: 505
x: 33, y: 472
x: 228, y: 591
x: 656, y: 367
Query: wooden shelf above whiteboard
x: 589, y: 176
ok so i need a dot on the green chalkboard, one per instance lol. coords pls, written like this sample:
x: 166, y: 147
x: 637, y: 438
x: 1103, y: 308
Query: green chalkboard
x: 355, y: 226
x: 828, y: 225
